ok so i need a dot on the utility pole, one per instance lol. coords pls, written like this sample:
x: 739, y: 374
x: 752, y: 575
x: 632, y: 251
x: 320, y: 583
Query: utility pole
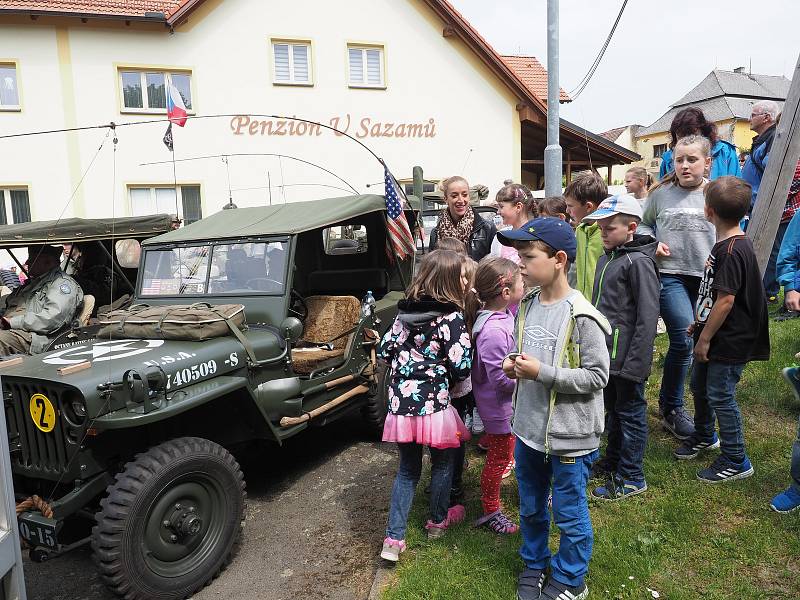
x: 552, y: 153
x: 778, y: 175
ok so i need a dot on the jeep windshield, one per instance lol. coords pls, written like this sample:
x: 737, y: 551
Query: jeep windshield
x: 248, y: 267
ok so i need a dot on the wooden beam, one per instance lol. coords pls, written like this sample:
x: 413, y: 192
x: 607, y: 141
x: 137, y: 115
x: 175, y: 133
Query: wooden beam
x: 778, y: 175
x: 569, y: 166
x: 578, y: 163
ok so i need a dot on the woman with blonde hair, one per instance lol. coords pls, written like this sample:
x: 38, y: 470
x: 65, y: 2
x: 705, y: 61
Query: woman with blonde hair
x: 459, y: 221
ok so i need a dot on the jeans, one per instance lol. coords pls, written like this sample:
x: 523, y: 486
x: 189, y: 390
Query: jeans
x: 626, y: 410
x: 536, y: 472
x: 713, y: 385
x: 771, y: 286
x: 678, y: 297
x: 462, y: 405
x: 405, y: 484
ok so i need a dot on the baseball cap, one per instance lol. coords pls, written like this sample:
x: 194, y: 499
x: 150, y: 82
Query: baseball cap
x: 552, y: 231
x: 622, y: 204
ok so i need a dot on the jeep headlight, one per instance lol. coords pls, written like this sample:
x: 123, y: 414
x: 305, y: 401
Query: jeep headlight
x: 74, y: 409
x: 79, y: 408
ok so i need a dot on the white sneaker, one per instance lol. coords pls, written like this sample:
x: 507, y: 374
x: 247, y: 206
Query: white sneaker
x: 661, y: 327
x: 477, y: 424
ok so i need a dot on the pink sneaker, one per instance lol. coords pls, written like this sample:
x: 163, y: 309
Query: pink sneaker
x: 392, y: 549
x: 455, y: 514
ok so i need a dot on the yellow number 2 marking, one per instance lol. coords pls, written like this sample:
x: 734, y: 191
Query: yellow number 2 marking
x: 43, y: 414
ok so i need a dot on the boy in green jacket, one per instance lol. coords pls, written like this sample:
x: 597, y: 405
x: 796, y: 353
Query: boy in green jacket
x: 584, y: 194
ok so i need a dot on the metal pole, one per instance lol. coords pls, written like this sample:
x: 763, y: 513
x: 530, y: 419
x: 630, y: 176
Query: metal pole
x: 552, y: 153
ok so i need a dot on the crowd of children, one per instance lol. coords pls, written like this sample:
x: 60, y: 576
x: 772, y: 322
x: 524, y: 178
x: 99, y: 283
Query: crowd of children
x: 550, y: 366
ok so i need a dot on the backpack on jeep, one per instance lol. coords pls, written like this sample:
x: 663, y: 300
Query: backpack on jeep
x: 195, y: 322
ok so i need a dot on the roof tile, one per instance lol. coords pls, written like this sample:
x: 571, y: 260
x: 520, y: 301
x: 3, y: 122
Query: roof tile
x: 133, y: 8
x: 533, y: 75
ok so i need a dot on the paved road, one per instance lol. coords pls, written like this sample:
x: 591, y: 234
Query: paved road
x: 316, y: 512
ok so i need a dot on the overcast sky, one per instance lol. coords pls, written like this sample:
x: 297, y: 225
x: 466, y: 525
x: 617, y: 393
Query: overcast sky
x: 659, y: 52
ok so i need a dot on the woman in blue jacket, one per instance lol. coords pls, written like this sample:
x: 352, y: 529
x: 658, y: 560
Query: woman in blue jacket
x: 692, y: 121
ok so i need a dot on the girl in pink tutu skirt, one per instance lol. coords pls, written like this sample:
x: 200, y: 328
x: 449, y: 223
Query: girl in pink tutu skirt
x: 428, y: 348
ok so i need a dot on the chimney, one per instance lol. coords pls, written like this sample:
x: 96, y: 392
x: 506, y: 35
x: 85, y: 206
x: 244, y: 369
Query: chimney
x: 739, y: 70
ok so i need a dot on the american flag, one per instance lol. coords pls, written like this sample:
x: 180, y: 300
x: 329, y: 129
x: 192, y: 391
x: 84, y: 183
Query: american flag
x: 400, y: 237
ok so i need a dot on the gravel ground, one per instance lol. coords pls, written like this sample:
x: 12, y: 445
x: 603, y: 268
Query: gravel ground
x: 316, y: 513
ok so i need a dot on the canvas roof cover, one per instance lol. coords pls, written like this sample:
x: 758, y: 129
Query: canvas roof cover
x: 77, y: 230
x: 278, y: 219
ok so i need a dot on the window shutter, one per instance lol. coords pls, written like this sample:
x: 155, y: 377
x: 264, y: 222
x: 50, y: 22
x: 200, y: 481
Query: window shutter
x: 374, y: 67
x: 20, y: 206
x: 300, y: 60
x: 190, y: 198
x: 356, y: 66
x: 281, y: 53
x: 3, y: 218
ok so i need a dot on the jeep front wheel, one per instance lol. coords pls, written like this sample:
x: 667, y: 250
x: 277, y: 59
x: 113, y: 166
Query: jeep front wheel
x: 377, y: 406
x: 171, y: 521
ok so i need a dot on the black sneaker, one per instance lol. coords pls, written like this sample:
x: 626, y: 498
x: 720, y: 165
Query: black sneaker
x: 678, y: 423
x: 530, y: 583
x: 723, y: 469
x: 693, y: 446
x: 784, y: 314
x: 555, y: 590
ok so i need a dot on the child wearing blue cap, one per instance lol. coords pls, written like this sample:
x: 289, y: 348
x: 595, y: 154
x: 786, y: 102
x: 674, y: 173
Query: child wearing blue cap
x: 561, y: 366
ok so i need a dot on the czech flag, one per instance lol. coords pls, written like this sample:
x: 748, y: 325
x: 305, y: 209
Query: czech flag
x: 176, y: 110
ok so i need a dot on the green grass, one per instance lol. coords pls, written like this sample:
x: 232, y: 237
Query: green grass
x: 682, y: 538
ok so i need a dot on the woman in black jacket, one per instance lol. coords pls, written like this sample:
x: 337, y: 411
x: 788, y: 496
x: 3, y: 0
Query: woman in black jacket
x: 459, y: 221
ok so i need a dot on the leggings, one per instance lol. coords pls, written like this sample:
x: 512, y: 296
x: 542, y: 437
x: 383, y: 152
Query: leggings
x: 501, y: 450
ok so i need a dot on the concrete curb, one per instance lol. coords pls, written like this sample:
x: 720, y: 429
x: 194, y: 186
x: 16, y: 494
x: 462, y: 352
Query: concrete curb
x: 382, y: 576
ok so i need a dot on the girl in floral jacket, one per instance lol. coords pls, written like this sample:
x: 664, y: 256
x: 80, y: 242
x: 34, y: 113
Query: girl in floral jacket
x: 428, y: 348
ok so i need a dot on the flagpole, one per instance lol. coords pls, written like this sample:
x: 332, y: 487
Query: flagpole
x: 174, y: 178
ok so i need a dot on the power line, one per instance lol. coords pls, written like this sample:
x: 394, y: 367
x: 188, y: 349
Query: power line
x: 587, y: 78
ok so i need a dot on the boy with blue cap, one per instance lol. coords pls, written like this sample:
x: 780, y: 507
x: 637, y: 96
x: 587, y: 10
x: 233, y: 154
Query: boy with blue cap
x: 561, y: 367
x: 626, y: 291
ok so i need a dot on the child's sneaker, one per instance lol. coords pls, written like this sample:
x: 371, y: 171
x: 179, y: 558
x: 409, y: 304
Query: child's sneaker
x: 455, y: 514
x: 392, y: 549
x: 497, y: 522
x: 530, y: 583
x: 723, y: 469
x: 678, y: 423
x: 555, y: 590
x: 792, y: 375
x: 477, y: 423
x: 509, y: 468
x: 694, y: 446
x: 787, y: 501
x: 618, y: 488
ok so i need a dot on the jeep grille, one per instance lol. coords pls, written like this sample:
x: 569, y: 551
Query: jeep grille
x: 33, y: 451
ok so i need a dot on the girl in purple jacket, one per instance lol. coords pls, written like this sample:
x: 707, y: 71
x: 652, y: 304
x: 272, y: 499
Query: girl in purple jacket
x: 498, y: 284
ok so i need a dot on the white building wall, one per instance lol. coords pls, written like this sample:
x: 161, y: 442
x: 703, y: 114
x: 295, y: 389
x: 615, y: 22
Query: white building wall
x: 226, y: 44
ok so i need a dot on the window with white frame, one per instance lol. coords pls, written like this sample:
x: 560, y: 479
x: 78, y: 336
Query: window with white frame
x: 146, y: 90
x: 156, y: 200
x: 291, y: 62
x: 9, y: 92
x: 365, y: 66
x: 15, y: 207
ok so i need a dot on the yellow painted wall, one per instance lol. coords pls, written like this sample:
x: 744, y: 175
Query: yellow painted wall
x: 743, y: 135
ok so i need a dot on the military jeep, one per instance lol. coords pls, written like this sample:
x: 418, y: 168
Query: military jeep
x: 131, y: 442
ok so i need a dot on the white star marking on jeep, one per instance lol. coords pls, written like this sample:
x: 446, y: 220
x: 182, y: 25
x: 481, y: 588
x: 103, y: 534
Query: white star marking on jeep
x: 101, y: 351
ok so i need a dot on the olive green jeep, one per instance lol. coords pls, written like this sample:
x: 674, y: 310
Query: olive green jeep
x: 130, y: 442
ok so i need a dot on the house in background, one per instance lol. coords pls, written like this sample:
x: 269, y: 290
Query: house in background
x: 725, y: 97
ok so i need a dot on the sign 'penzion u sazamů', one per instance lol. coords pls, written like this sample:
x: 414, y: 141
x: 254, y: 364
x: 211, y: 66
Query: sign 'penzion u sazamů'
x: 365, y: 127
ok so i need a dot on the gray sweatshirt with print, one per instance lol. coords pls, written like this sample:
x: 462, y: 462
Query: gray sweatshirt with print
x: 674, y: 215
x: 573, y: 424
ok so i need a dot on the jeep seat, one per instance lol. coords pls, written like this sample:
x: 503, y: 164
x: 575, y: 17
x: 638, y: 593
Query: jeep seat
x: 328, y: 317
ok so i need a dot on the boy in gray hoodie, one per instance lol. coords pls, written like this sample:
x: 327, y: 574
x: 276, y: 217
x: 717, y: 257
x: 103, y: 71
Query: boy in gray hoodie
x: 561, y: 367
x: 626, y: 291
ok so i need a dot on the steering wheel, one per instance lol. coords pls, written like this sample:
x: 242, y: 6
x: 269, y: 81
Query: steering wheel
x: 297, y: 306
x: 264, y: 284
